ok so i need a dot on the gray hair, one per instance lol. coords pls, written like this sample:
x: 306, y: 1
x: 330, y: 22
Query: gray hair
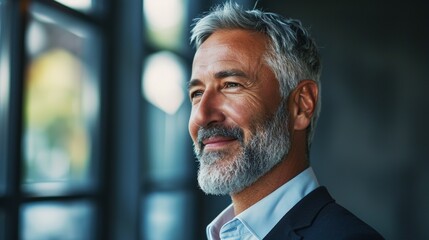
x: 292, y: 54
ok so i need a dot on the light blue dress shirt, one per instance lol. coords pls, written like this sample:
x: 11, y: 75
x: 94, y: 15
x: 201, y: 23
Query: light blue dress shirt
x: 258, y: 220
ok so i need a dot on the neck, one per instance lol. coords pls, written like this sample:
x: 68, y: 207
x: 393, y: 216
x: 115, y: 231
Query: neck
x: 294, y: 163
x: 275, y: 178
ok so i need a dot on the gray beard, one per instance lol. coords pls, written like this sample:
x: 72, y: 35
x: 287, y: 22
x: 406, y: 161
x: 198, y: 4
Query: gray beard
x: 226, y: 172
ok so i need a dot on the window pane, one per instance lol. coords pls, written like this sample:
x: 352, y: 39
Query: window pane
x: 4, y: 86
x: 168, y: 215
x: 165, y: 22
x: 167, y: 117
x: 53, y: 220
x: 170, y: 161
x: 164, y: 89
x: 61, y: 105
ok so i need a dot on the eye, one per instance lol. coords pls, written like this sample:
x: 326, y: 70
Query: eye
x: 195, y: 94
x: 231, y: 85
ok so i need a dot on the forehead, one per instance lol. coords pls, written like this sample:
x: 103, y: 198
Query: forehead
x: 240, y: 46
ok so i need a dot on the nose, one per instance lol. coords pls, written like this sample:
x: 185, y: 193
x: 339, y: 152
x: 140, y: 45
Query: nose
x: 209, y: 110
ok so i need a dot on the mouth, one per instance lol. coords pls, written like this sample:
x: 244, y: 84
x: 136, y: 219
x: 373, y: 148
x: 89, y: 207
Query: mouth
x: 217, y: 142
x: 218, y: 138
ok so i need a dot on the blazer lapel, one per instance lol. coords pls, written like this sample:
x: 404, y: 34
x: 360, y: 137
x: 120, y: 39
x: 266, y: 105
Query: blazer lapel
x: 301, y: 215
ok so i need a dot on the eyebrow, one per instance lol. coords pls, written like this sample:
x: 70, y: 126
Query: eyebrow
x: 192, y: 83
x: 230, y: 73
x: 219, y: 75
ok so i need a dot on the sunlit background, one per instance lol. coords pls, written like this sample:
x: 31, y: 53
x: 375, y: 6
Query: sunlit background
x: 94, y: 109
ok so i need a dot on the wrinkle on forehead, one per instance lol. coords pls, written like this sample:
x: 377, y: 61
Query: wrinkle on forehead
x: 231, y: 49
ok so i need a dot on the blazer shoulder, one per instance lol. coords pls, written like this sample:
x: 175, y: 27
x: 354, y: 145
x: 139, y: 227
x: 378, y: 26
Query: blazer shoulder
x: 318, y: 216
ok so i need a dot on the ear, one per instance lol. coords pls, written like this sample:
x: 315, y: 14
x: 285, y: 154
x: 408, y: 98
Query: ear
x: 302, y: 103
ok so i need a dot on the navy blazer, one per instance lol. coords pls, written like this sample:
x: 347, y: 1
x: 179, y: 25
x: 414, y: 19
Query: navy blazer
x: 317, y: 216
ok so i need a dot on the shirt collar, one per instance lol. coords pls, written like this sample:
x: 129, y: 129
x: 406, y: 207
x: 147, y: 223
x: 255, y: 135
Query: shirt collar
x: 270, y: 209
x: 213, y: 229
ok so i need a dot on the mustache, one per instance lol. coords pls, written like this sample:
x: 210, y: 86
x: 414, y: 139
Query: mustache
x: 219, y: 131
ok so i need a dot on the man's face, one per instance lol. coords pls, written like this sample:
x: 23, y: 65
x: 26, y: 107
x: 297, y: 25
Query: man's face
x: 238, y: 124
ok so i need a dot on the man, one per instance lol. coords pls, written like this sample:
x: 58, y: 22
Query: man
x: 254, y: 92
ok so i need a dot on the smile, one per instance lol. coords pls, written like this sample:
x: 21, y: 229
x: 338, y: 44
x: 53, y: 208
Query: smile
x: 217, y: 142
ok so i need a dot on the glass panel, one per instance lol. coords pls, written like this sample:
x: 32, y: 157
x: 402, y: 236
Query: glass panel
x: 52, y: 220
x: 61, y: 105
x: 171, y: 161
x: 164, y: 22
x: 168, y: 215
x: 164, y: 89
x: 4, y: 86
x: 169, y: 146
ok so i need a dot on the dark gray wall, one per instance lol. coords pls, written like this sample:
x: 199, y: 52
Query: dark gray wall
x: 370, y: 146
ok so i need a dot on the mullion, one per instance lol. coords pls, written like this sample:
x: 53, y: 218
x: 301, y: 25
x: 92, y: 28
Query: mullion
x: 18, y: 19
x: 59, y: 198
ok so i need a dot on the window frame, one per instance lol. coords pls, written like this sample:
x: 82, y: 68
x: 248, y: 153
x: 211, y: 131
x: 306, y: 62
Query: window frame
x: 14, y: 197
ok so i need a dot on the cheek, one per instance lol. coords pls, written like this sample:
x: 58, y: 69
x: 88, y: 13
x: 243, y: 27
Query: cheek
x: 192, y: 127
x: 245, y: 113
x: 250, y: 114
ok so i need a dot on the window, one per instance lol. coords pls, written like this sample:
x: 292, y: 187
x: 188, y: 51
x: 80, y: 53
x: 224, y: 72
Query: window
x: 61, y: 105
x: 50, y: 168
